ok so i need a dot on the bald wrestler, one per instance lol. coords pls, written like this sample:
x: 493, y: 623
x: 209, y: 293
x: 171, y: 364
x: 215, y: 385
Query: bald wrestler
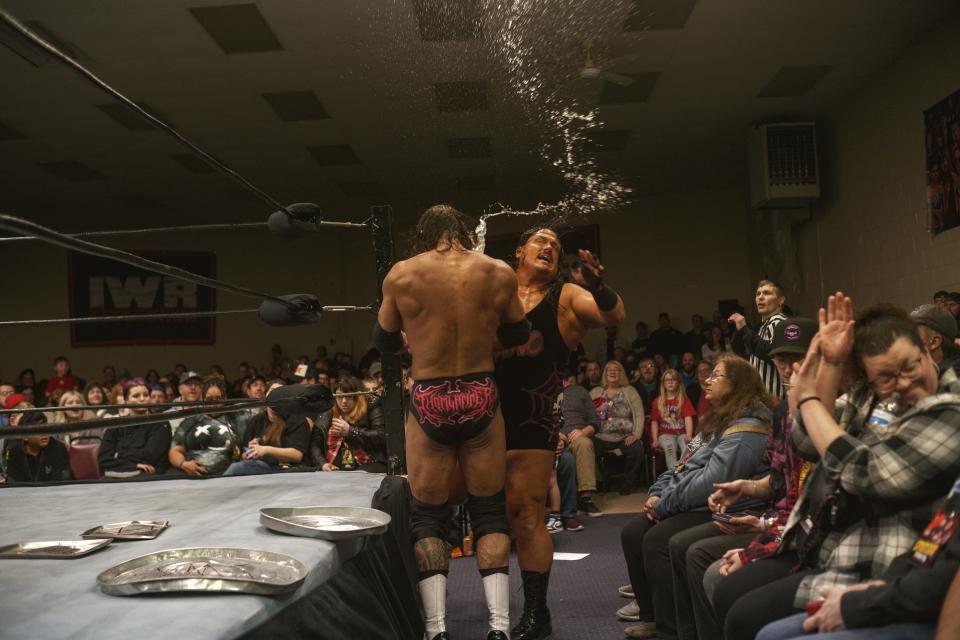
x: 452, y: 303
x: 528, y: 378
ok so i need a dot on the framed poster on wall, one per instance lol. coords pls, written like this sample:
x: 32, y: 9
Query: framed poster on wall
x: 942, y: 134
x: 100, y: 287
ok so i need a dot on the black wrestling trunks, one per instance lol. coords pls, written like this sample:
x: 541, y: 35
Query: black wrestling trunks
x: 453, y: 410
x: 529, y: 379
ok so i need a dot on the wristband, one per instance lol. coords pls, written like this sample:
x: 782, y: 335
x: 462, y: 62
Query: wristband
x: 605, y: 297
x: 808, y: 399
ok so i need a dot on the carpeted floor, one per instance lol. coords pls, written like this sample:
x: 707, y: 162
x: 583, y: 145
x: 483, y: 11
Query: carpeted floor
x: 583, y: 593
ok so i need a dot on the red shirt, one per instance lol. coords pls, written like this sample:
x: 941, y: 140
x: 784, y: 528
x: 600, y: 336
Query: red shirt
x: 673, y: 422
x: 67, y: 383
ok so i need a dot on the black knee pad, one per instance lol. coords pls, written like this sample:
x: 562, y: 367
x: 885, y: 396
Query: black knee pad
x: 429, y: 520
x: 488, y: 514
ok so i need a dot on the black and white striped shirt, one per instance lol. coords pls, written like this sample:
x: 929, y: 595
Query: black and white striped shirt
x: 762, y: 363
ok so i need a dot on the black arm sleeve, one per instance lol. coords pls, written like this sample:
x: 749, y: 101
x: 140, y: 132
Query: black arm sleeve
x: 912, y: 593
x: 108, y: 447
x: 157, y: 446
x: 386, y: 341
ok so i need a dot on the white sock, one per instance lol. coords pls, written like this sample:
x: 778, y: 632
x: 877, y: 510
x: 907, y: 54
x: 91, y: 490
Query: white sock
x: 433, y: 593
x: 496, y: 588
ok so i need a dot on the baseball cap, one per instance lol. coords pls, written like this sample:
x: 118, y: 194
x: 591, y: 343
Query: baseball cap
x: 375, y: 368
x: 937, y: 318
x: 793, y: 335
x: 13, y: 400
x: 189, y: 375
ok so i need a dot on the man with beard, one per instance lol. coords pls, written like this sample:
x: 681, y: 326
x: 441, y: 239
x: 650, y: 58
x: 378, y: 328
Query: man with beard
x: 452, y: 303
x: 529, y: 382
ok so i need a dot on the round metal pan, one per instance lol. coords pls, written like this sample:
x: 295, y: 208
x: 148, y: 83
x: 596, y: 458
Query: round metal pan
x: 326, y: 523
x: 206, y: 570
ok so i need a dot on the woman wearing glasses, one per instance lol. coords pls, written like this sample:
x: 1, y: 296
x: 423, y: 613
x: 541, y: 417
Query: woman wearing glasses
x: 887, y: 451
x: 730, y: 445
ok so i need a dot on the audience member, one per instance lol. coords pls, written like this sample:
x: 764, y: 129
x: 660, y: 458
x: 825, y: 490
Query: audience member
x: 190, y: 391
x: 135, y: 450
x: 696, y: 337
x: 641, y: 343
x: 74, y: 399
x: 892, y: 453
x: 62, y: 379
x: 94, y: 395
x: 109, y: 376
x: 938, y: 330
x: 279, y: 438
x: 352, y: 435
x: 620, y: 410
x: 688, y: 369
x: 770, y: 299
x: 647, y: 384
x: 594, y: 375
x: 695, y: 393
x: 6, y: 390
x: 695, y: 549
x: 579, y: 423
x: 205, y: 444
x: 716, y: 345
x: 671, y: 422
x: 666, y: 341
x: 730, y: 445
x: 36, y: 458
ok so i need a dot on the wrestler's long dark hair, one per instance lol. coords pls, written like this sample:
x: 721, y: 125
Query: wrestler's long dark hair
x: 438, y: 223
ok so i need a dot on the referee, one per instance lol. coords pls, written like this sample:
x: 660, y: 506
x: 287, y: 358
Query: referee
x: 770, y: 301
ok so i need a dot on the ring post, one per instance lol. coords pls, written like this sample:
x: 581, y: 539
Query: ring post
x: 381, y: 222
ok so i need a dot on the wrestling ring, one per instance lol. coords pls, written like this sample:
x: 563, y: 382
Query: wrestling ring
x: 359, y: 586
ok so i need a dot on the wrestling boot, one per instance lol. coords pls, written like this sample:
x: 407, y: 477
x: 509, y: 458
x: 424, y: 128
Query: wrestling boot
x: 535, y: 620
x: 497, y: 635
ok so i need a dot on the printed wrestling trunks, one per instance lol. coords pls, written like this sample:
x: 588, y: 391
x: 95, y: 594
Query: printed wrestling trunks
x: 453, y: 410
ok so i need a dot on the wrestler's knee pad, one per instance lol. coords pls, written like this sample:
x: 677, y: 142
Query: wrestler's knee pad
x: 488, y: 514
x: 428, y: 520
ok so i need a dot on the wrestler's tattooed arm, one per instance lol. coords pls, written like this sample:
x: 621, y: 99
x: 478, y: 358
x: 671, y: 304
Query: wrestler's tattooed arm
x: 432, y: 554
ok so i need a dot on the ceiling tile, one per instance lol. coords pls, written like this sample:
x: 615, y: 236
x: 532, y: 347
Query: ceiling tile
x: 71, y: 170
x: 468, y: 147
x: 653, y: 15
x: 295, y: 106
x: 791, y: 82
x: 237, y: 28
x: 328, y: 155
x: 639, y: 91
x: 440, y: 20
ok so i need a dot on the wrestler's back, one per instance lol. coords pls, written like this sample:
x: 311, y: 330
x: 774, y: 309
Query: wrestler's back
x: 452, y: 303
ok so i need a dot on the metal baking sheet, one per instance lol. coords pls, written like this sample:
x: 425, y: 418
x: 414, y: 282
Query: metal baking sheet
x: 326, y: 523
x: 204, y: 569
x: 133, y: 530
x: 64, y: 549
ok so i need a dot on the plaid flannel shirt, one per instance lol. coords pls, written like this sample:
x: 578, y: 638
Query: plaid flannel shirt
x: 902, y: 468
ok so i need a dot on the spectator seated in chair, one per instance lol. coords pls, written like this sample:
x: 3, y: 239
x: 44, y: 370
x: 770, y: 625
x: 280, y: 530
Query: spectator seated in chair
x: 352, y: 434
x: 205, y: 444
x: 74, y: 399
x: 36, y: 458
x: 621, y: 422
x: 671, y: 423
x: 135, y: 450
x: 579, y: 423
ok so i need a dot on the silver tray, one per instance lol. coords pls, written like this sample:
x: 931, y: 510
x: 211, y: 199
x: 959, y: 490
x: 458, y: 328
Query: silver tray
x: 133, y: 530
x: 64, y: 549
x: 326, y: 523
x: 204, y: 569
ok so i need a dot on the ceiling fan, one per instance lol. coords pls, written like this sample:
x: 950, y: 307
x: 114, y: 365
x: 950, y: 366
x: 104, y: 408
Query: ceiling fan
x: 592, y: 71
